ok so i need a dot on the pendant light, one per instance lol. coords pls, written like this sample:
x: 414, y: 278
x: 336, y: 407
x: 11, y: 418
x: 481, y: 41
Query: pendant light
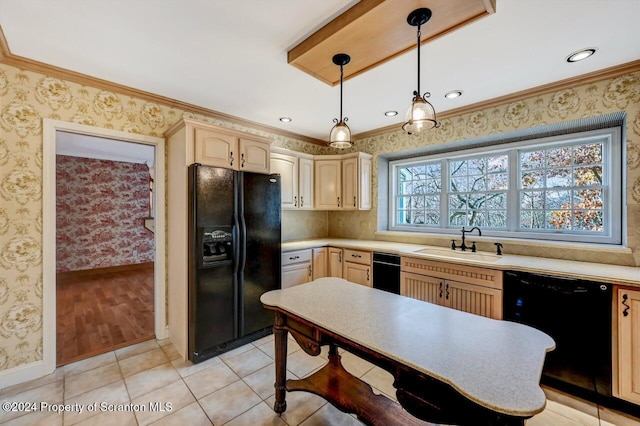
x: 340, y: 136
x: 421, y: 114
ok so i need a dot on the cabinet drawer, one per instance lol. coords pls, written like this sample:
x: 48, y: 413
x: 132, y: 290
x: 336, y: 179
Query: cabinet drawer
x: 298, y: 256
x: 357, y: 256
x: 451, y: 271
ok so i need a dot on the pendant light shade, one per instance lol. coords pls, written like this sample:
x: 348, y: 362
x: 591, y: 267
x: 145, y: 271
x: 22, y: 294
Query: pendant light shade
x: 340, y: 136
x: 421, y: 115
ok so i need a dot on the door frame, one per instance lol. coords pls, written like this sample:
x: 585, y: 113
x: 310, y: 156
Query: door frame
x: 50, y: 127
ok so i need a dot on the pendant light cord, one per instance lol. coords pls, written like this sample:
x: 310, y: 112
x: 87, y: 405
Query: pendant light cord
x: 419, y: 34
x: 340, y: 92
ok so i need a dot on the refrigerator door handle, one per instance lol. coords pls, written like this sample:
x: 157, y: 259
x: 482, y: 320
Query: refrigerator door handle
x: 243, y: 243
x: 236, y: 243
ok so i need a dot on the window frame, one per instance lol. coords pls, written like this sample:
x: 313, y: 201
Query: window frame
x: 613, y: 189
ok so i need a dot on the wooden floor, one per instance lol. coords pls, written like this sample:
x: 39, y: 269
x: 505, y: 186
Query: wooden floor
x: 100, y: 313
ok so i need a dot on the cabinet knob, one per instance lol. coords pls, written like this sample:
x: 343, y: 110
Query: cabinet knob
x: 338, y: 201
x: 301, y: 201
x: 295, y: 201
x: 309, y: 270
x: 367, y: 274
x: 242, y: 158
x: 354, y: 201
x: 231, y: 158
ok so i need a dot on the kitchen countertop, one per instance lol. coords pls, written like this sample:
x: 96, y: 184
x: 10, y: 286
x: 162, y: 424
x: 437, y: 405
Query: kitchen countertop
x: 501, y: 372
x: 614, y: 274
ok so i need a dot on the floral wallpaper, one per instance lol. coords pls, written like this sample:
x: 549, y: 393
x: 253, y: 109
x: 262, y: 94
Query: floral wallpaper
x: 27, y: 97
x: 603, y: 97
x: 100, y: 206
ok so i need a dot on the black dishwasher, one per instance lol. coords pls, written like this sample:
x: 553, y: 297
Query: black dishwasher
x: 386, y: 272
x: 577, y: 315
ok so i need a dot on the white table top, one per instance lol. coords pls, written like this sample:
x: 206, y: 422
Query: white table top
x: 494, y: 363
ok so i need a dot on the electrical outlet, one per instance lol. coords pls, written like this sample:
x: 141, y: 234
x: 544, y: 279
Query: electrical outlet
x: 135, y: 252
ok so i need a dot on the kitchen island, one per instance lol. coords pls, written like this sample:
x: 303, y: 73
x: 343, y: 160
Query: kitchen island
x: 449, y: 366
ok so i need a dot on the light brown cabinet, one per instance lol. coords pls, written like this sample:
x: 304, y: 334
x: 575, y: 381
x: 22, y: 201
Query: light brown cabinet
x: 296, y: 178
x: 357, y: 267
x: 465, y: 288
x: 626, y: 344
x: 343, y: 182
x: 319, y: 264
x: 296, y: 268
x: 335, y: 262
x: 216, y: 146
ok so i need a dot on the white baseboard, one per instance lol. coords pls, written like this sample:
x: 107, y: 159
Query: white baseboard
x: 24, y: 373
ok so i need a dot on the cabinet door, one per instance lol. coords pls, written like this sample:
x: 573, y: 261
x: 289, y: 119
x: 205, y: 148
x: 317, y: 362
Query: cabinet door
x: 254, y: 156
x: 287, y: 167
x: 474, y: 299
x: 357, y: 273
x: 319, y: 262
x: 328, y: 191
x: 216, y: 149
x: 305, y: 183
x: 422, y: 287
x: 364, y: 187
x: 296, y: 274
x: 628, y: 308
x: 350, y: 183
x: 335, y: 262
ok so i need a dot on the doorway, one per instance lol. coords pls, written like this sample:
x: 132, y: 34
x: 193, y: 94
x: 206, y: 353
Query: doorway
x: 152, y: 287
x: 104, y: 245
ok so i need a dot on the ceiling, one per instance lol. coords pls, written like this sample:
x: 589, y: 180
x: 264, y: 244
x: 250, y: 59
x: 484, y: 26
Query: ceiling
x: 77, y: 145
x: 231, y: 55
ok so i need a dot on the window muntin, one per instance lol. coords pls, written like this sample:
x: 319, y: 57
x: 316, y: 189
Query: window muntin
x: 565, y: 188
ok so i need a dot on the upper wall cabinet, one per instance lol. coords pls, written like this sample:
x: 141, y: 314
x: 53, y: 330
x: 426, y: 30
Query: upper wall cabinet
x: 343, y: 182
x: 296, y: 177
x: 220, y: 147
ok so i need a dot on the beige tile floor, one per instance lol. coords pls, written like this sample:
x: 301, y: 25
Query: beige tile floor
x: 235, y: 389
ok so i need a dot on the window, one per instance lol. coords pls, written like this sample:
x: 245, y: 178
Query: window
x: 565, y: 188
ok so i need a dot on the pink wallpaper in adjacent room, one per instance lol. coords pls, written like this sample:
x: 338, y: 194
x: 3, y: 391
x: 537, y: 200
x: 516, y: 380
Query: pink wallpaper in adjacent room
x: 100, y: 210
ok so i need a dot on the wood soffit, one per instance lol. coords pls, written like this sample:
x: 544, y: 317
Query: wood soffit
x: 375, y: 31
x: 8, y: 58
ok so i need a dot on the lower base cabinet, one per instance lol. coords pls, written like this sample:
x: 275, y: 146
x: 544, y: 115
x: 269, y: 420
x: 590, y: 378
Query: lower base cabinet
x: 320, y: 259
x: 296, y: 268
x: 357, y: 267
x: 627, y: 315
x: 334, y: 268
x: 441, y: 283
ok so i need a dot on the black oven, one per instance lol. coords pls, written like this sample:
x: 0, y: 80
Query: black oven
x: 577, y: 315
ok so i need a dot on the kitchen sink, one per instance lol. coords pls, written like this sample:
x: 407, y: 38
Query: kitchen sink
x: 454, y: 254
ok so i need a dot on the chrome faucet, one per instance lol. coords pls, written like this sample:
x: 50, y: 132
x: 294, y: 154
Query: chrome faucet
x: 463, y: 246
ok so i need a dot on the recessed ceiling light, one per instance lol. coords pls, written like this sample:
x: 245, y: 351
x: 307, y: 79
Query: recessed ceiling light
x: 391, y: 113
x: 285, y: 119
x: 453, y: 94
x: 581, y: 54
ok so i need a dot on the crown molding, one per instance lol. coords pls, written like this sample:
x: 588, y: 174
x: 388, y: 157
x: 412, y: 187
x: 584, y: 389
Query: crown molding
x: 8, y: 58
x: 591, y: 77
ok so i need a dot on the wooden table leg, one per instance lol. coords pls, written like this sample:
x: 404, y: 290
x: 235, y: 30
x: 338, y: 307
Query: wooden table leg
x: 280, y: 340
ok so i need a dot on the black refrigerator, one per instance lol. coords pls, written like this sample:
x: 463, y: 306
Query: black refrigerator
x: 234, y: 257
